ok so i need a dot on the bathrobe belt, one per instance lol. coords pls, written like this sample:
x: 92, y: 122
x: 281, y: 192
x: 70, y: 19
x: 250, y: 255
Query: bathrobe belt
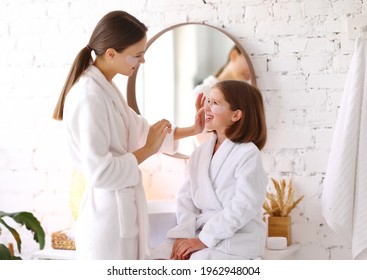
x: 142, y: 220
x: 204, y: 217
x: 142, y: 217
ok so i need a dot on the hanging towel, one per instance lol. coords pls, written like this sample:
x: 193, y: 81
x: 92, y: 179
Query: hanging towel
x: 344, y: 198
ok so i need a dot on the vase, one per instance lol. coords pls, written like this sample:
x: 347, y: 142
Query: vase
x: 280, y: 226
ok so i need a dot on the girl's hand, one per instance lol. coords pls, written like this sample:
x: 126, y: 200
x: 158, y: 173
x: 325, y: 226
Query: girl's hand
x: 183, y: 248
x: 177, y: 244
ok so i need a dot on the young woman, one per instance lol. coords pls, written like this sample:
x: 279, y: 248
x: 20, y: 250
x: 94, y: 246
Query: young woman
x: 219, y: 207
x: 108, y: 141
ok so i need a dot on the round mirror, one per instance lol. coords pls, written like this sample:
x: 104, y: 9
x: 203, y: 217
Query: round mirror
x: 180, y: 60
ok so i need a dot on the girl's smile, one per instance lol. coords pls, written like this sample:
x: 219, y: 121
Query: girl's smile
x: 217, y: 112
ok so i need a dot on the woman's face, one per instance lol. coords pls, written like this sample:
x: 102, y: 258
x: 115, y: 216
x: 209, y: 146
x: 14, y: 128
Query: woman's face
x: 129, y: 60
x: 218, y: 115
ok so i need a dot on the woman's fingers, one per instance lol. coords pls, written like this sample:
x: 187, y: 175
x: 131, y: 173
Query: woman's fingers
x: 200, y: 101
x: 163, y: 126
x: 157, y: 133
x: 199, y: 120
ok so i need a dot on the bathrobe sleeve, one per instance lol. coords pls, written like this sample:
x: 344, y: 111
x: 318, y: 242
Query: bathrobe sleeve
x: 245, y: 205
x: 206, y: 86
x: 139, y: 129
x: 101, y: 168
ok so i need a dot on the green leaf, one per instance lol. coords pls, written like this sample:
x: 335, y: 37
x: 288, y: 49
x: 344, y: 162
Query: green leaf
x: 13, y: 232
x: 4, y: 253
x: 31, y: 223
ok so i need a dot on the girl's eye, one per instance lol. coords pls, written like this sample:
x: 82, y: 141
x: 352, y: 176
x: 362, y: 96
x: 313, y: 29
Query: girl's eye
x: 212, y: 102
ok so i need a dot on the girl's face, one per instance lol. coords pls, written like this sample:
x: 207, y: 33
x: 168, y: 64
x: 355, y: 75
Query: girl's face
x: 129, y: 60
x: 218, y: 115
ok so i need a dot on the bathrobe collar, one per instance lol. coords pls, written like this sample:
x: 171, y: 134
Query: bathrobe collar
x: 110, y: 89
x: 220, y: 157
x: 209, y: 167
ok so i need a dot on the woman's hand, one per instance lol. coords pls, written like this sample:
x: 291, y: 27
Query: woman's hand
x: 184, y: 247
x: 200, y: 101
x: 200, y: 113
x: 198, y: 127
x: 156, y: 135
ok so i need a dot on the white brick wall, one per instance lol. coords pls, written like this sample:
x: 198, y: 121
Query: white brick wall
x: 301, y: 54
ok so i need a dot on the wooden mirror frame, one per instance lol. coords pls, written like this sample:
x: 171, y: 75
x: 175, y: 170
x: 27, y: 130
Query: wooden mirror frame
x: 131, y: 93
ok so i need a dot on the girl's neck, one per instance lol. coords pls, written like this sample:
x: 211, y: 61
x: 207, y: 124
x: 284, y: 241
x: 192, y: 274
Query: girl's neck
x: 220, y: 140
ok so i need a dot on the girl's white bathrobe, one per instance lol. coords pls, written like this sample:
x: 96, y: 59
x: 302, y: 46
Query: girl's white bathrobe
x: 221, y: 202
x: 102, y: 133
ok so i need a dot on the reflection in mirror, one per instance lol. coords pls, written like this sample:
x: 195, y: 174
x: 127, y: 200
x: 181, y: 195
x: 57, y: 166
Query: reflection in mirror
x: 179, y: 60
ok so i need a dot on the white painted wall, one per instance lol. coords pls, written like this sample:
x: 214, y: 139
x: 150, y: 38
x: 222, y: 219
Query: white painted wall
x: 300, y: 52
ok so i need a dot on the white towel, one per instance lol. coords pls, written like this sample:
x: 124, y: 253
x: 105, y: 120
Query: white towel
x: 344, y: 198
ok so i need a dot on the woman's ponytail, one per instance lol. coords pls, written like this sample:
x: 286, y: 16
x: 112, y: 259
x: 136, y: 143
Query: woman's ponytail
x: 80, y: 64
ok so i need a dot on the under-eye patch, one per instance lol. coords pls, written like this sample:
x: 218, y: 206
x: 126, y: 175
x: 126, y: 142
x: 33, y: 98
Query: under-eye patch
x: 215, y: 108
x: 132, y: 60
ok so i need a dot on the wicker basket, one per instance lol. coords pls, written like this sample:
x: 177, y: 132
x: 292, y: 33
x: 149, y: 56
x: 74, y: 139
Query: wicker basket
x: 59, y: 240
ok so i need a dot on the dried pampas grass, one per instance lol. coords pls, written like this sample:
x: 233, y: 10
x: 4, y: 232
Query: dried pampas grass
x: 280, y: 203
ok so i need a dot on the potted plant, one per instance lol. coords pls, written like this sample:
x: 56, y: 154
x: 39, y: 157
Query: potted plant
x: 278, y: 206
x: 30, y: 222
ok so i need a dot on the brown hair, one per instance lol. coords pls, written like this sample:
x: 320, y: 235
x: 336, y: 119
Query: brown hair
x: 248, y: 99
x: 117, y: 30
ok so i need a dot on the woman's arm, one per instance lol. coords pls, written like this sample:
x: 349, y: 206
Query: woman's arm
x: 182, y: 132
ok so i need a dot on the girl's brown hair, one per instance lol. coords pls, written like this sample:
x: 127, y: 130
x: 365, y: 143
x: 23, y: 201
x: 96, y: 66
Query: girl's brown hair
x: 117, y: 30
x: 248, y: 99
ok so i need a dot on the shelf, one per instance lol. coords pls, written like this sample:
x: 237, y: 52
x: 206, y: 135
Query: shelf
x: 54, y: 254
x: 284, y: 254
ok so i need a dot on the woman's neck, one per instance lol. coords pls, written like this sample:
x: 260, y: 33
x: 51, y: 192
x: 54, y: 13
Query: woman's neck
x: 99, y: 63
x: 225, y: 75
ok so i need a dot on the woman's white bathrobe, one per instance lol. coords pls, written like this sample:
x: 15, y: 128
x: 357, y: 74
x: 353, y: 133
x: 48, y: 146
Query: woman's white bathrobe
x: 102, y: 133
x: 221, y: 202
x: 206, y: 86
